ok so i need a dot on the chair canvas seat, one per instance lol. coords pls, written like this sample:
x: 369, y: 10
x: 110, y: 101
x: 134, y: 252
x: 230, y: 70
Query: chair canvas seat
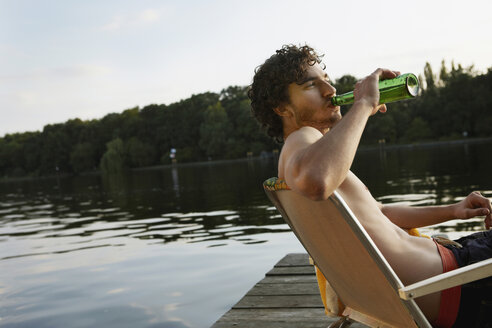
x: 348, y: 258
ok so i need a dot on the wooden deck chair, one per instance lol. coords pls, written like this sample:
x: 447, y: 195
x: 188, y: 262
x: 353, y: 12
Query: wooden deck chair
x: 353, y: 265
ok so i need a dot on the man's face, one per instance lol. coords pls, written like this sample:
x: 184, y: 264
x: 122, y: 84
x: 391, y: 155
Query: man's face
x: 309, y: 100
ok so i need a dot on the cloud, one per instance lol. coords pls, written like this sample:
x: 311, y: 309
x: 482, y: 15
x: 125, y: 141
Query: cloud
x: 116, y: 291
x: 144, y: 17
x: 149, y: 16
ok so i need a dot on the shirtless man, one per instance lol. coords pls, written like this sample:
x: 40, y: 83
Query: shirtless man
x: 291, y: 97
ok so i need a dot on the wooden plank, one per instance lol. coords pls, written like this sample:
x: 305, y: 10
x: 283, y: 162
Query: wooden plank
x: 294, y: 259
x: 279, y: 301
x: 289, y: 279
x: 292, y: 270
x: 284, y: 289
x: 278, y: 318
x: 274, y: 318
x: 280, y: 323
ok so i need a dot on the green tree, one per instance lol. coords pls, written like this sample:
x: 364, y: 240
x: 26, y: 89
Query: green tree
x: 139, y: 154
x: 214, y: 131
x: 430, y: 79
x: 113, y: 160
x: 11, y: 156
x: 56, y: 148
x: 417, y: 131
x: 345, y: 83
x: 131, y: 123
x: 83, y: 157
x: 380, y: 127
x: 245, y: 130
x: 443, y: 74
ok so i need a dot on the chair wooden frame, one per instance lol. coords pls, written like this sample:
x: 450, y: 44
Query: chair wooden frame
x: 354, y: 266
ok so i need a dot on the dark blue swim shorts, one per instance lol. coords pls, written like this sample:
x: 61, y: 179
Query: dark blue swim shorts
x: 476, y: 247
x: 476, y: 297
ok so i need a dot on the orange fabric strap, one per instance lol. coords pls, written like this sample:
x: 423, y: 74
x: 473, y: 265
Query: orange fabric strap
x: 450, y: 298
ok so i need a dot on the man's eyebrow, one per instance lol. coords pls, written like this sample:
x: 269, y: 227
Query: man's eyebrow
x: 312, y: 78
x: 307, y: 79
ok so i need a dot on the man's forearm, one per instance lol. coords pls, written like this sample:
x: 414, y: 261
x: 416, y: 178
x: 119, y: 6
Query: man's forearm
x: 414, y: 217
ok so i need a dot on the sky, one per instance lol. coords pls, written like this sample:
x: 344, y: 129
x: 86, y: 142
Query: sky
x: 66, y: 59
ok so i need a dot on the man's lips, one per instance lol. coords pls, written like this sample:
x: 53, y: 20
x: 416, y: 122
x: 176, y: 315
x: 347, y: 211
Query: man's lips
x: 330, y: 106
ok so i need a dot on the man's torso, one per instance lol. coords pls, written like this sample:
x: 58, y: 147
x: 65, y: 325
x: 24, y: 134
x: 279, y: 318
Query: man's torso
x: 412, y: 258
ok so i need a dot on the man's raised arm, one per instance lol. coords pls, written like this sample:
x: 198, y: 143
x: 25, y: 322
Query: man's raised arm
x: 315, y: 164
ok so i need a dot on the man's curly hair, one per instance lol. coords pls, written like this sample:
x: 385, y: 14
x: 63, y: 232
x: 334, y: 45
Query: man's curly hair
x: 270, y: 84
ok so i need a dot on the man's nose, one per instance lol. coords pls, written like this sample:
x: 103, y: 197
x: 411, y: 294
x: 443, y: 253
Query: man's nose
x: 328, y: 90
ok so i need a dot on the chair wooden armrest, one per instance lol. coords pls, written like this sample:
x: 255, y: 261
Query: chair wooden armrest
x: 447, y: 280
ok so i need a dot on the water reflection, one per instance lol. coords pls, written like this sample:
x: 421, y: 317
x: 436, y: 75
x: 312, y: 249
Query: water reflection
x: 98, y: 211
x: 212, y: 202
x: 221, y: 202
x: 175, y: 178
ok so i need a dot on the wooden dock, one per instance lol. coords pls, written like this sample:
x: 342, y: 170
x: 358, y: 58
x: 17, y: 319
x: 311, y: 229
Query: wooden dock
x: 287, y: 297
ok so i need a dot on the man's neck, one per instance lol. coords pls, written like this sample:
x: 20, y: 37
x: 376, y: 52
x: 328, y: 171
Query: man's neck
x: 289, y: 132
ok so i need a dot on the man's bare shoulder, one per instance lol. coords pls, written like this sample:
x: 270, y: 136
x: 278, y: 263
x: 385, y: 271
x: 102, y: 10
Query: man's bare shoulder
x: 303, y: 137
x: 295, y: 143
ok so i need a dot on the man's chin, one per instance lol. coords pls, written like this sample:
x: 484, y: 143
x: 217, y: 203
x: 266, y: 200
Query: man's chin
x: 326, y: 125
x: 335, y: 119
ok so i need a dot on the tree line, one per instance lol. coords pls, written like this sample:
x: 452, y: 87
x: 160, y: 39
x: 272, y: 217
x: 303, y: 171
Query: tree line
x: 454, y: 103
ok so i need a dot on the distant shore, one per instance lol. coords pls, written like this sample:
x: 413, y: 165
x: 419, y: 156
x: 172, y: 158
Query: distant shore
x: 270, y: 155
x: 425, y: 144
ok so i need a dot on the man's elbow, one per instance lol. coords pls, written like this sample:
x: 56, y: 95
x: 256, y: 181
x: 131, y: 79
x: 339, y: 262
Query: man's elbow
x: 315, y: 189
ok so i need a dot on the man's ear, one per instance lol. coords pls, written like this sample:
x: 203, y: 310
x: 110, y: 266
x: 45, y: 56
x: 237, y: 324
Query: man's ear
x: 282, y: 110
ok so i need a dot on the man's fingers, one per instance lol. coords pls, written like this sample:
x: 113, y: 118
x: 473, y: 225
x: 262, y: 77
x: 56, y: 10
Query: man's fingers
x: 481, y: 211
x: 478, y: 200
x: 387, y: 74
x: 473, y: 212
x: 384, y: 73
x: 484, y: 211
x: 488, y: 222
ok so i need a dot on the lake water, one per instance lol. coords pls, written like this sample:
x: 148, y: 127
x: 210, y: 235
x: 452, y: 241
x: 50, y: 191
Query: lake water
x: 178, y: 246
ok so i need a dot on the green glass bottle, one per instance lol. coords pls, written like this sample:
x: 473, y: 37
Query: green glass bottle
x: 402, y: 87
